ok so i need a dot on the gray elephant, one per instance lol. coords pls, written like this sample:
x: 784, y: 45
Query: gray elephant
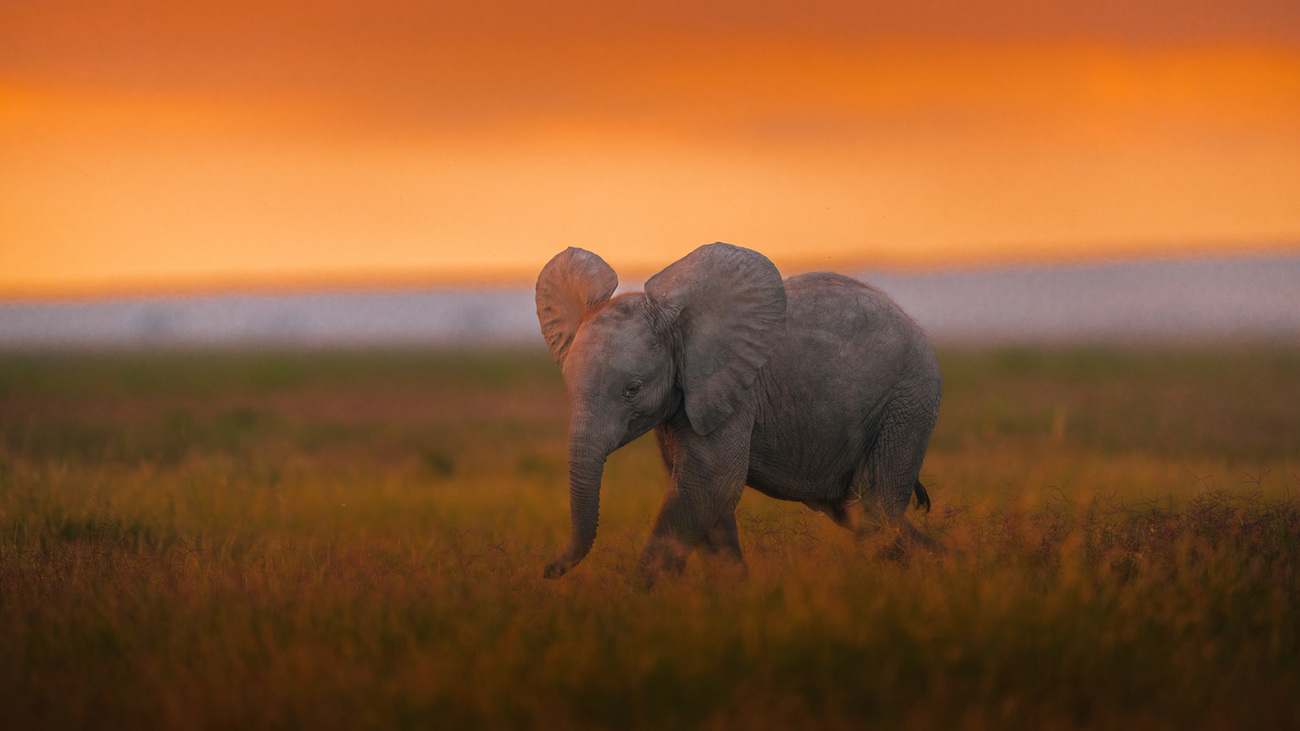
x: 818, y: 389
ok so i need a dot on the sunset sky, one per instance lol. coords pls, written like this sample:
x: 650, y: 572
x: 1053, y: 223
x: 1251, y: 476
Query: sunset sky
x: 161, y: 146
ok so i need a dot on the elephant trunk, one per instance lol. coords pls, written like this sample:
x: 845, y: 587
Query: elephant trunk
x: 587, y: 455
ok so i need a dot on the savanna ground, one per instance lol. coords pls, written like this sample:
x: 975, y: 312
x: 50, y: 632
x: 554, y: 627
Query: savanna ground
x: 356, y: 540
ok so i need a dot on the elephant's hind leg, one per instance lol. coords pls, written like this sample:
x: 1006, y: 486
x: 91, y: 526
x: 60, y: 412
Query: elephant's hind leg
x: 883, y: 487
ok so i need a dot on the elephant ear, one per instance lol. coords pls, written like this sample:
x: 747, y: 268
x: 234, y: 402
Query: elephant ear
x: 568, y: 286
x: 728, y: 304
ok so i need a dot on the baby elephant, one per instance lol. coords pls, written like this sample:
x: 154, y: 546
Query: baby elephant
x: 817, y: 389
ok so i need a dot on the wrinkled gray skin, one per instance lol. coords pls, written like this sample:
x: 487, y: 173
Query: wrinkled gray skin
x: 818, y: 389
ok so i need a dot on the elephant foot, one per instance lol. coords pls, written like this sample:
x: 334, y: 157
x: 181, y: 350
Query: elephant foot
x: 911, y: 537
x: 659, y: 557
x: 893, y: 550
x: 901, y: 540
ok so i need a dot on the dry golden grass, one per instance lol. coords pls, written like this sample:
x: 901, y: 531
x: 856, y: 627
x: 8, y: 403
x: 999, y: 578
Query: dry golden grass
x: 352, y: 540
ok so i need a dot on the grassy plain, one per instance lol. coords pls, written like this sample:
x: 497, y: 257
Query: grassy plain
x: 356, y: 540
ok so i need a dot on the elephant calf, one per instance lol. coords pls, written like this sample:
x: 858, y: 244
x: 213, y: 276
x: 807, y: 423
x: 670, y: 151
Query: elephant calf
x: 818, y: 389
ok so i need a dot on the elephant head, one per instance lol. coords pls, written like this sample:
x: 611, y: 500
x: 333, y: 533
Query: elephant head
x: 692, y: 343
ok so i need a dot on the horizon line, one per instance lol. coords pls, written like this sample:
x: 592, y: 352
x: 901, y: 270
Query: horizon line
x: 307, y: 282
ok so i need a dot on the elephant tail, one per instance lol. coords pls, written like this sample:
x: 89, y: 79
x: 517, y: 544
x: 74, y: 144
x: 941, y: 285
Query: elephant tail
x: 922, y: 497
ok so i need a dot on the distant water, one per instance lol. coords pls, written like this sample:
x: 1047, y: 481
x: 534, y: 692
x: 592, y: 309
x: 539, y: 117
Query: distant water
x: 1150, y: 301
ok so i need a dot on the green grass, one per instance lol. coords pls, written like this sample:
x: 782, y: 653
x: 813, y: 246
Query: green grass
x: 355, y: 540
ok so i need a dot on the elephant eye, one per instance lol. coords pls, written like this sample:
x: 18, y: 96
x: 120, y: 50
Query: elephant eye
x: 632, y: 389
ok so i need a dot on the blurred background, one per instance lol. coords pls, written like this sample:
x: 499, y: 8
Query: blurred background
x: 398, y: 171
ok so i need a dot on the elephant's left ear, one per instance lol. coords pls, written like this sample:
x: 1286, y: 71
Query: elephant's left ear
x: 572, y: 282
x: 728, y: 303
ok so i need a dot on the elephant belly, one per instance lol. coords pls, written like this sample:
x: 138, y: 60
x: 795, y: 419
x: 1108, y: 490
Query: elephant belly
x: 847, y: 352
x: 807, y: 462
x: 812, y: 435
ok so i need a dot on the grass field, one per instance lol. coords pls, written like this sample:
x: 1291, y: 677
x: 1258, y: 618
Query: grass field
x: 356, y: 540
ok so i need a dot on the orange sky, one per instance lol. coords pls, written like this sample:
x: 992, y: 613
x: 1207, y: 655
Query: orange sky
x: 159, y: 145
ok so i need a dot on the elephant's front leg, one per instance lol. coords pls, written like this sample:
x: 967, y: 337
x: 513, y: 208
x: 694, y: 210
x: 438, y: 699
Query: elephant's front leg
x: 708, y: 478
x: 723, y: 540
